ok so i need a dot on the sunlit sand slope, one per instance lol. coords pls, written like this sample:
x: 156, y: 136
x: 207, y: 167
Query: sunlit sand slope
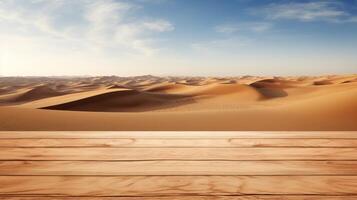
x: 179, y: 103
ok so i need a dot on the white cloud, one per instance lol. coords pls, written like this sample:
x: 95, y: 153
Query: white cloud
x: 99, y: 24
x: 99, y: 12
x: 222, y: 45
x: 67, y: 37
x: 30, y: 15
x: 154, y: 1
x: 159, y: 25
x: 329, y: 11
x: 250, y: 27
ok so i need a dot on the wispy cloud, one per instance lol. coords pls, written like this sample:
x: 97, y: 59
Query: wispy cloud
x: 159, y: 25
x: 154, y: 1
x: 244, y: 27
x: 328, y: 11
x: 99, y: 23
x: 221, y: 45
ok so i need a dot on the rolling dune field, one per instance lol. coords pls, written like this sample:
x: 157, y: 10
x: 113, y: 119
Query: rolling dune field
x: 179, y: 103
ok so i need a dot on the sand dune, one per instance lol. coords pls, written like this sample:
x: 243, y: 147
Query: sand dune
x: 123, y: 101
x: 39, y: 92
x: 167, y: 87
x: 179, y: 103
x: 63, y: 99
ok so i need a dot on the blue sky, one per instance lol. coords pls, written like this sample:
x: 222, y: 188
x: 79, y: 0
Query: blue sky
x: 178, y: 37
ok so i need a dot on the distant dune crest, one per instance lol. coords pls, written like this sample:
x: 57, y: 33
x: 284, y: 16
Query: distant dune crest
x: 200, y: 103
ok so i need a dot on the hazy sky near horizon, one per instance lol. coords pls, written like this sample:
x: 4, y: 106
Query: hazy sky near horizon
x: 178, y: 37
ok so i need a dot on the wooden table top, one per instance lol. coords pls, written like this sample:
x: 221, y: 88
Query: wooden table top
x: 178, y: 165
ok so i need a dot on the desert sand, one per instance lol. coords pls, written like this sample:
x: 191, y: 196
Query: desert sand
x: 179, y: 103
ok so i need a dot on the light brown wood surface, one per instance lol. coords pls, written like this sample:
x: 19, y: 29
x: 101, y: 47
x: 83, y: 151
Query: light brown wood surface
x: 179, y: 134
x: 178, y: 165
x: 196, y: 197
x: 121, y: 154
x: 179, y: 143
x: 177, y: 185
x: 105, y: 168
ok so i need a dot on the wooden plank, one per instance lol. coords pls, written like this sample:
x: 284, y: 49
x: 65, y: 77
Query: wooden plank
x: 82, y: 168
x: 249, y: 197
x: 178, y: 143
x: 109, y: 168
x: 177, y: 185
x: 178, y: 154
x: 178, y: 134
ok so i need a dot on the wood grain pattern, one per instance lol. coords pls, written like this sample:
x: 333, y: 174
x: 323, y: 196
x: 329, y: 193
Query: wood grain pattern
x: 177, y: 185
x: 184, y: 197
x: 179, y: 143
x: 178, y: 165
x: 94, y: 168
x: 179, y: 134
x: 178, y: 154
x: 187, y: 197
